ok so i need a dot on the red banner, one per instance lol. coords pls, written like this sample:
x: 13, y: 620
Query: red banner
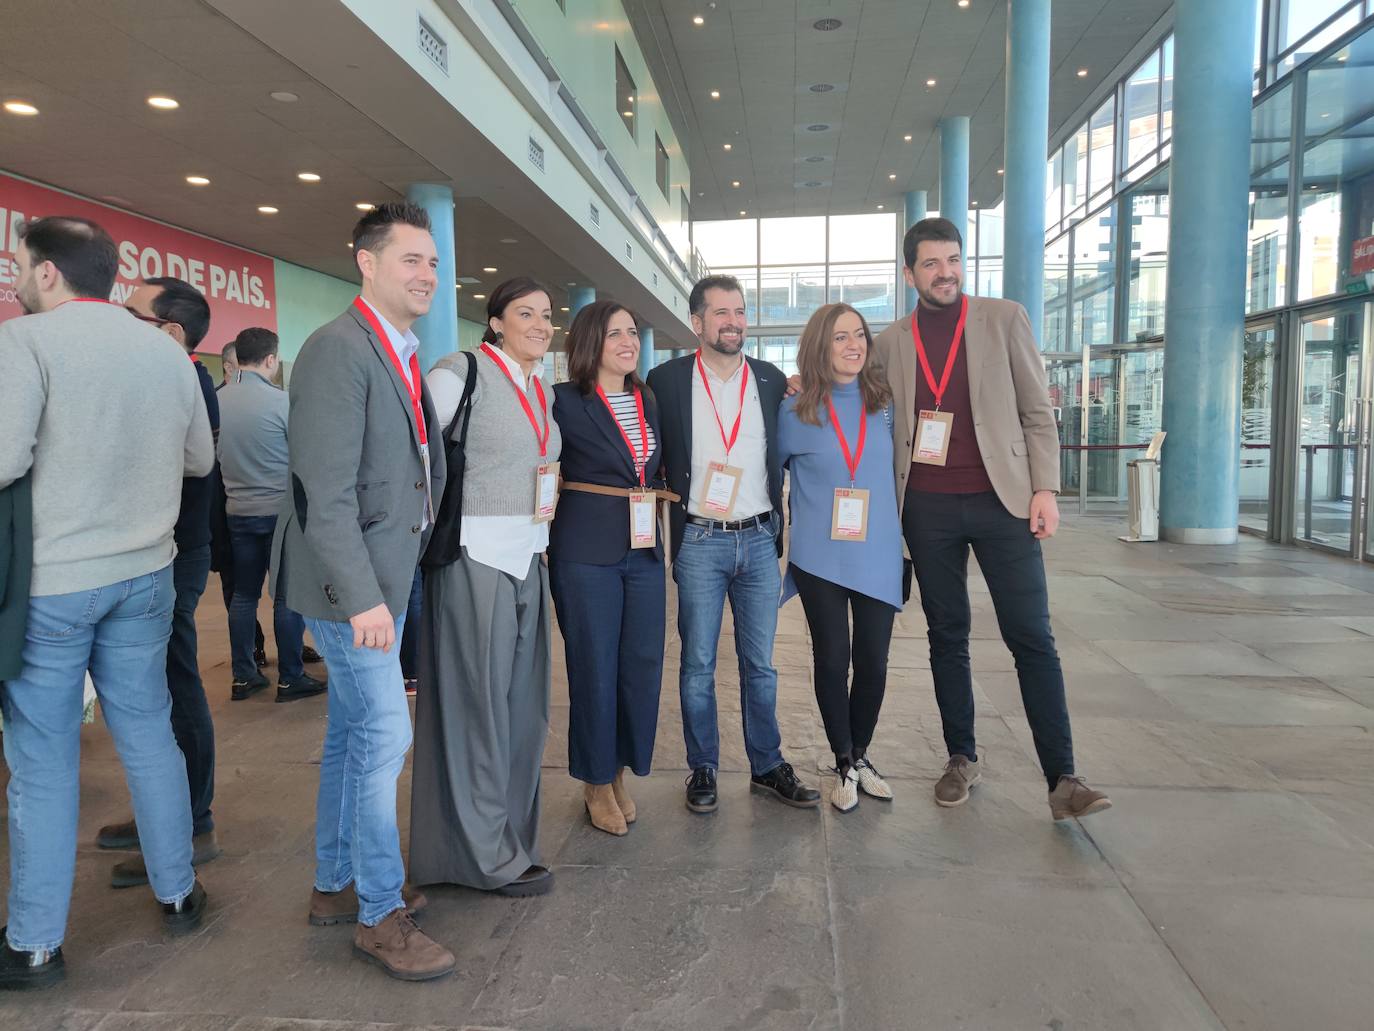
x: 240, y: 285
x: 1362, y: 256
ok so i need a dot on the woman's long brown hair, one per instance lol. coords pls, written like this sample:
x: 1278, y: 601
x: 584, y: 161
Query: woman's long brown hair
x: 587, y: 339
x: 817, y: 370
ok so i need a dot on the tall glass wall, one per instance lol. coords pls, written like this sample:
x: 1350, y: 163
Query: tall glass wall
x: 1106, y: 261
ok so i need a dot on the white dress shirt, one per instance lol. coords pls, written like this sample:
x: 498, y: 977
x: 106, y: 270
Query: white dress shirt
x: 406, y: 345
x: 502, y: 542
x: 750, y: 452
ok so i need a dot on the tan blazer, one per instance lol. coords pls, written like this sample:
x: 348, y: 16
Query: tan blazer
x: 1012, y: 416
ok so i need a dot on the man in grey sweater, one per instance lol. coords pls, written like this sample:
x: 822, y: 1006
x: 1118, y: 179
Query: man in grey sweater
x: 253, y: 463
x: 106, y: 492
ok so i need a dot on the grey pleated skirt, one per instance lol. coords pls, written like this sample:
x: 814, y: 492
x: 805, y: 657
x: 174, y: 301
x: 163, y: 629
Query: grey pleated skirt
x: 481, y: 718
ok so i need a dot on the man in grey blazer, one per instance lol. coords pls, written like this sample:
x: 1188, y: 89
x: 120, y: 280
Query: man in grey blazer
x: 366, y: 469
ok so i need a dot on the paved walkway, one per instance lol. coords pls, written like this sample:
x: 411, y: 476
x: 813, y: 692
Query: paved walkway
x: 1223, y: 695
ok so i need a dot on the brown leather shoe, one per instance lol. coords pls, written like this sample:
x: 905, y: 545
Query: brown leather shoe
x: 1072, y: 798
x: 602, y: 809
x: 341, y: 907
x: 622, y: 797
x: 960, y: 775
x: 404, y: 951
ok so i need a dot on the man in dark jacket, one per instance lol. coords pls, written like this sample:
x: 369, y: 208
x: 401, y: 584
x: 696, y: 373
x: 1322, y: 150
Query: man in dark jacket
x: 182, y: 312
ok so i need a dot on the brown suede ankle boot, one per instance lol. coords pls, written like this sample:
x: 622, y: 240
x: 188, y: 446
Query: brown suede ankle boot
x: 622, y: 796
x: 602, y: 809
x: 402, y: 949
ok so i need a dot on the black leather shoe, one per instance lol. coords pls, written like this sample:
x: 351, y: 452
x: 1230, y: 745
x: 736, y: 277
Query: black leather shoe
x: 303, y: 686
x: 309, y: 654
x: 701, y: 790
x: 185, y: 915
x: 20, y: 969
x: 537, y: 880
x: 782, y: 782
x: 242, y: 689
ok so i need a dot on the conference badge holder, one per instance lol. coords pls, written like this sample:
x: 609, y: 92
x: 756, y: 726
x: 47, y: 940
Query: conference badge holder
x: 933, y: 431
x: 545, y: 491
x: 722, y: 487
x: 643, y: 519
x: 849, y: 514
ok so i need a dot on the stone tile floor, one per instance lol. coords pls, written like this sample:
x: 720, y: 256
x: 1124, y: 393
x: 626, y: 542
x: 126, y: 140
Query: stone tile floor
x: 1224, y: 695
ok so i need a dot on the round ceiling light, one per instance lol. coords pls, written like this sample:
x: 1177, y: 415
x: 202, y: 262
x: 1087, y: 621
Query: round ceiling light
x: 282, y: 96
x: 827, y: 24
x: 266, y: 209
x: 308, y: 177
x: 163, y: 103
x: 20, y: 107
x: 818, y: 127
x: 197, y: 180
x: 822, y: 87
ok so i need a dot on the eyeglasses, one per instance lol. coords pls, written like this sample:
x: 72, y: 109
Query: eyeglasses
x: 159, y: 323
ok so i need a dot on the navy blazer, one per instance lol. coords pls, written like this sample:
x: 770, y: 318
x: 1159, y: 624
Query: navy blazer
x: 595, y: 528
x: 671, y: 383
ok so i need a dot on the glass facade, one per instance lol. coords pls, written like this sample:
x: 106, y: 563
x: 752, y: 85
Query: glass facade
x: 1310, y: 246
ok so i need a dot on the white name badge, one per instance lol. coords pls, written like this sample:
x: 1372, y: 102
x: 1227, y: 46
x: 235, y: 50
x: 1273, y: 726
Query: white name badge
x: 642, y: 520
x: 933, y: 431
x: 429, y: 496
x: 722, y: 485
x: 545, y: 492
x: 849, y: 514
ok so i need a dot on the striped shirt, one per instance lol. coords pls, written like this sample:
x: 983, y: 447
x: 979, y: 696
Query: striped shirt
x: 623, y: 406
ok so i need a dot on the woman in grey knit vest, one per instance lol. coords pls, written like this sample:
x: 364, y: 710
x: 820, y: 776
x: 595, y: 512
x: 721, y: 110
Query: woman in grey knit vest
x: 481, y: 721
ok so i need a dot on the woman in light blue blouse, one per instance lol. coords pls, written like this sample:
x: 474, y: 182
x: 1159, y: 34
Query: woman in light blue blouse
x: 835, y: 437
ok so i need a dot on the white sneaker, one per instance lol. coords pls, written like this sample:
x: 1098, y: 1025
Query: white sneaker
x: 871, y: 781
x: 844, y: 796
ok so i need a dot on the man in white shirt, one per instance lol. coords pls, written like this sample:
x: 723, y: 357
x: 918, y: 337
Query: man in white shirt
x: 719, y: 412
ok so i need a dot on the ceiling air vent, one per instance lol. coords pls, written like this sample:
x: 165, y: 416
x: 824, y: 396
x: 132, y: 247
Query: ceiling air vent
x: 822, y: 87
x: 594, y: 213
x: 432, y: 45
x: 536, y: 154
x: 827, y: 24
x: 818, y: 127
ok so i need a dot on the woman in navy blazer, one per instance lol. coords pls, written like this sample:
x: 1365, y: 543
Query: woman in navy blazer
x: 609, y: 596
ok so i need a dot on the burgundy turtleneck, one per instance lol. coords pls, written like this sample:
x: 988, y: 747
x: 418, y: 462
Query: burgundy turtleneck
x: 963, y: 472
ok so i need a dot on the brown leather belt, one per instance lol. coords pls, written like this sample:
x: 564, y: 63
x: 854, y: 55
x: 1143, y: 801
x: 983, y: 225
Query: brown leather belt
x: 620, y: 492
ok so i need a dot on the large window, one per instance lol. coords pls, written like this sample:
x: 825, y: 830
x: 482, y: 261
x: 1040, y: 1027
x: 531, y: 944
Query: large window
x: 1148, y: 251
x: 1094, y: 281
x: 1140, y: 98
x: 1056, y: 332
x: 626, y: 95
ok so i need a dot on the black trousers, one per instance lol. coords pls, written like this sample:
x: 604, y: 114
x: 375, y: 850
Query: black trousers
x: 849, y: 714
x: 939, y: 530
x: 191, y: 723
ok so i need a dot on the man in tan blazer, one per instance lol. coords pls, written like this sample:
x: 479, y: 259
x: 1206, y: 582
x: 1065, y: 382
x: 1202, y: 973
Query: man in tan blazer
x: 977, y: 466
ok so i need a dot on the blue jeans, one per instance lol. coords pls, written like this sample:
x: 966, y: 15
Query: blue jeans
x: 119, y: 633
x: 191, y: 722
x: 612, y: 619
x: 252, y: 542
x: 365, y: 745
x: 714, y: 564
x: 410, y: 644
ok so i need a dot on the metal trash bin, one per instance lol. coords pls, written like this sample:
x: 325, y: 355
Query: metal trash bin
x: 1142, y: 486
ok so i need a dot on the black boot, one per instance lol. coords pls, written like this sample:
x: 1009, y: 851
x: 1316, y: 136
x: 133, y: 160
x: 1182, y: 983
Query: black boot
x: 20, y: 969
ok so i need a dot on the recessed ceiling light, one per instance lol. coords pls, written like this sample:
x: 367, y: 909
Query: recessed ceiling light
x: 827, y: 24
x: 564, y: 309
x: 880, y: 207
x: 1001, y: 171
x: 729, y: 146
x: 743, y: 213
x: 715, y: 94
x: 350, y: 246
x: 489, y: 268
x: 163, y: 103
x: 509, y: 239
x: 1082, y: 73
x: 628, y: 114
x: 557, y: 328
x: 907, y: 137
x: 572, y: 284
x: 818, y: 127
x: 266, y: 209
x: 698, y: 20
x: 1343, y: 56
x: 973, y: 203
x: 363, y: 205
x: 197, y: 180
x: 282, y: 96
x: 822, y: 87
x: 892, y: 175
x: 1326, y: 114
x: 963, y: 3
x: 734, y: 183
x: 457, y: 286
x: 308, y: 177
x: 479, y: 297
x: 930, y: 82
x: 20, y: 107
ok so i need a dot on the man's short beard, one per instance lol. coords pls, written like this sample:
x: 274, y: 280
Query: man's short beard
x: 935, y: 302
x: 721, y: 348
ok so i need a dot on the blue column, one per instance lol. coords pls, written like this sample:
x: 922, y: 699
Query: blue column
x: 954, y: 172
x: 646, y: 350
x: 1204, y: 314
x: 1026, y: 143
x: 438, y: 331
x: 914, y: 209
x: 578, y: 298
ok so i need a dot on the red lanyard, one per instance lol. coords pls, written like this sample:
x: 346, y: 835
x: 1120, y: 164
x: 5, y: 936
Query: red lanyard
x: 739, y: 416
x: 641, y: 460
x: 939, y: 391
x: 414, y: 384
x: 542, y: 440
x: 852, y: 462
